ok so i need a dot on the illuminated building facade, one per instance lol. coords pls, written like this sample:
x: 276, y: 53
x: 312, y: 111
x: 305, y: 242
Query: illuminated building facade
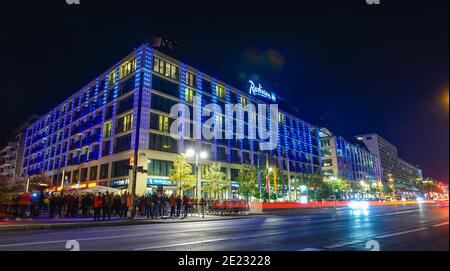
x: 349, y: 160
x: 93, y: 134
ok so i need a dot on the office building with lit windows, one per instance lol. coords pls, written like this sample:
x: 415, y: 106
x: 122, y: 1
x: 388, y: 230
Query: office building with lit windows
x: 92, y: 135
x: 349, y: 160
x: 395, y: 171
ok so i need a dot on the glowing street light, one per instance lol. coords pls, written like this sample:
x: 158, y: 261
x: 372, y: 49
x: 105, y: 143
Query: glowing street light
x: 198, y: 155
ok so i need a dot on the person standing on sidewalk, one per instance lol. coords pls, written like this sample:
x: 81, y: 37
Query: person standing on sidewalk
x: 106, y: 206
x: 129, y: 204
x: 185, y: 205
x: 178, y: 205
x: 97, y: 206
x: 202, y: 206
x: 172, y: 203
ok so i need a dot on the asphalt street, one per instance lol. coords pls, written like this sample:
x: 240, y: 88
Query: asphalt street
x: 409, y: 227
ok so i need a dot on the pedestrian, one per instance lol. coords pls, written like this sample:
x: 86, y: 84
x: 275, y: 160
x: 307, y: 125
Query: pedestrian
x: 97, y: 206
x: 202, y: 206
x: 185, y: 205
x: 178, y: 205
x: 129, y: 204
x: 106, y: 205
x: 172, y: 203
x: 155, y: 205
x: 123, y: 204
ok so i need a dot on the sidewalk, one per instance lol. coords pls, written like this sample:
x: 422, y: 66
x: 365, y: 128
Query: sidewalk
x: 78, y: 222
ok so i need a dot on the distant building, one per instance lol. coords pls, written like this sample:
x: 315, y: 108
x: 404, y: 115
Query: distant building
x: 348, y: 159
x: 403, y: 174
x: 11, y: 153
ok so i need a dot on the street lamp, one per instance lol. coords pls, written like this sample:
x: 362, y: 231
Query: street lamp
x: 198, y: 155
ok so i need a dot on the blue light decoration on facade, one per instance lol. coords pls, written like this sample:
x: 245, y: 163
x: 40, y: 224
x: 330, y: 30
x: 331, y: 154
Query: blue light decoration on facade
x: 137, y: 92
x: 105, y: 99
x: 146, y: 71
x: 228, y: 125
x: 214, y: 101
x: 199, y: 104
x: 25, y: 151
x: 294, y: 143
x: 182, y: 101
x: 114, y: 108
x: 63, y: 111
x: 72, y: 106
x: 241, y: 126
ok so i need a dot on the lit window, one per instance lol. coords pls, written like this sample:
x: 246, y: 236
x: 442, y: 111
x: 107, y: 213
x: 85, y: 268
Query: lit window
x: 127, y: 68
x: 111, y: 78
x: 191, y: 79
x: 127, y: 122
x: 164, y: 123
x: 244, y: 100
x: 107, y: 129
x: 165, y: 68
x: 280, y: 117
x: 189, y: 94
x: 220, y: 92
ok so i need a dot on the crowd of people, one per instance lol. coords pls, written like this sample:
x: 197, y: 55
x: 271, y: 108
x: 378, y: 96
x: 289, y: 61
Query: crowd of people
x: 104, y: 205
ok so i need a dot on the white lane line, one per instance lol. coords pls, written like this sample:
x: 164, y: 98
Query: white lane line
x: 400, y: 233
x: 208, y: 241
x: 440, y: 224
x: 343, y: 244
x: 310, y: 249
x: 401, y: 212
x: 81, y: 239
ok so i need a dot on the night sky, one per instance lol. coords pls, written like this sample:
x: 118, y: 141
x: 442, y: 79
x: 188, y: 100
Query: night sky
x: 354, y: 67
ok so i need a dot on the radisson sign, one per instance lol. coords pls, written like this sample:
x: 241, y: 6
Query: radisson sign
x: 259, y: 91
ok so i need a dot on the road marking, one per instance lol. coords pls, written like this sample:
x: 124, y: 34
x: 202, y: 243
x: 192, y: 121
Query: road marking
x: 81, y: 239
x: 440, y: 224
x: 208, y: 241
x: 400, y: 233
x: 401, y: 212
x: 310, y: 249
x: 343, y: 244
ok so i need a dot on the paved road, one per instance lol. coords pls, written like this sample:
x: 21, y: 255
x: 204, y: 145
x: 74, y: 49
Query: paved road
x: 414, y: 227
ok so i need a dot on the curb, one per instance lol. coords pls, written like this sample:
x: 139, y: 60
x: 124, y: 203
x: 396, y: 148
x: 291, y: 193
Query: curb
x: 69, y: 225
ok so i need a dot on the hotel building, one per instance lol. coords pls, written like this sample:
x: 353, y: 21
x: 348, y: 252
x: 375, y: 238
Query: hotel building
x: 93, y: 135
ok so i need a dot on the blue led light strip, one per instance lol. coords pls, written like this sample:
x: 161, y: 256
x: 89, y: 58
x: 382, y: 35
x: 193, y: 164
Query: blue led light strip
x: 182, y: 101
x: 146, y: 96
x: 214, y: 101
x: 137, y: 92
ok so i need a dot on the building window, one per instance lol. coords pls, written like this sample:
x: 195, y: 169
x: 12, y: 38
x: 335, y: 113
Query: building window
x: 123, y: 143
x: 127, y: 68
x: 327, y: 163
x: 163, y: 123
x: 93, y: 173
x: 84, y: 173
x: 191, y: 80
x: 107, y: 129
x: 162, y: 143
x: 159, y: 167
x: 104, y: 170
x: 280, y: 117
x: 120, y: 168
x: 189, y: 95
x: 220, y: 92
x: 165, y: 68
x: 124, y: 123
x: 244, y: 100
x: 111, y: 78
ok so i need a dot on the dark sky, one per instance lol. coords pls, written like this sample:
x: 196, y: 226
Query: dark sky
x: 357, y: 68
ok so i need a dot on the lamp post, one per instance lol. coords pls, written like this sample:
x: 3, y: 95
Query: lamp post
x: 198, y: 155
